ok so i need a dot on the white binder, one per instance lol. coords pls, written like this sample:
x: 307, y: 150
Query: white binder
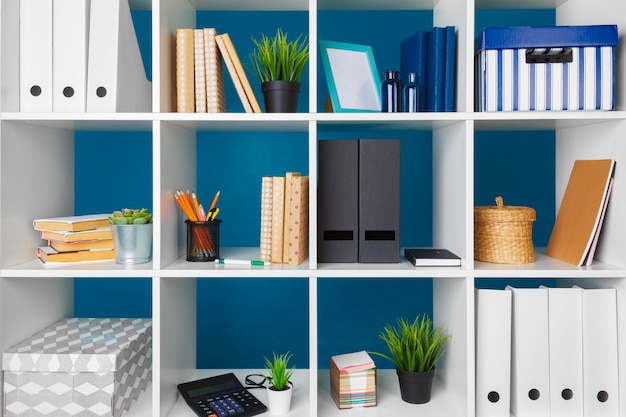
x: 566, y: 353
x: 116, y: 78
x: 36, y: 55
x: 70, y: 27
x: 530, y: 361
x: 493, y: 353
x: 600, y: 363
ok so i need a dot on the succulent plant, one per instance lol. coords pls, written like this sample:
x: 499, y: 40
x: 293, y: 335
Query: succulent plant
x: 131, y: 216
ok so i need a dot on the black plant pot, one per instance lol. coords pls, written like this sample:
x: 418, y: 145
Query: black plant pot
x: 280, y: 96
x: 415, y: 387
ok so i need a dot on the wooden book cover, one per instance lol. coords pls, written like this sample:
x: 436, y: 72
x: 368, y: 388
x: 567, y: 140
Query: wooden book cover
x: 278, y: 217
x: 199, y: 71
x: 230, y: 65
x: 579, y: 215
x: 288, y: 179
x: 48, y: 255
x: 185, y: 102
x: 299, y: 221
x: 266, y: 219
x: 216, y: 100
x: 73, y: 223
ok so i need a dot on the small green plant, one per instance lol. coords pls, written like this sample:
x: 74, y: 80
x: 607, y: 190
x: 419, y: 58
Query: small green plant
x: 279, y: 371
x: 131, y: 216
x: 277, y: 58
x: 414, y: 346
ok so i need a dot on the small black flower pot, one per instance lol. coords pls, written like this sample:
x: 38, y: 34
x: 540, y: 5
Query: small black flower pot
x: 415, y: 387
x: 280, y: 96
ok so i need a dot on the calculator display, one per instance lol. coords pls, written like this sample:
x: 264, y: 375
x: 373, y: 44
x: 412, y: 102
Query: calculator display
x: 220, y: 396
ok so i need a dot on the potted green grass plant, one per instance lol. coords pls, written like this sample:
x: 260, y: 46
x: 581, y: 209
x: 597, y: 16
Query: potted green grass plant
x: 279, y: 390
x: 415, y: 347
x: 278, y: 63
x: 132, y: 235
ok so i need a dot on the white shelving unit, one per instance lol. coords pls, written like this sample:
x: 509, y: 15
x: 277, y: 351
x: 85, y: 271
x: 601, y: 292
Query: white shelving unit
x: 36, y: 166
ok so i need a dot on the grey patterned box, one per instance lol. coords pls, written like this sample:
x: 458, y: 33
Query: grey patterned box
x: 79, y: 367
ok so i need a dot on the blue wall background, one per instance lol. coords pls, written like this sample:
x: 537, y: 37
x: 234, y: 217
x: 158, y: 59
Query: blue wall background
x: 253, y: 317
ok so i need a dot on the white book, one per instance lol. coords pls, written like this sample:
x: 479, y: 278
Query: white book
x: 70, y: 28
x: 493, y: 353
x: 600, y: 355
x: 530, y: 353
x: 116, y: 77
x: 36, y: 55
x: 566, y: 353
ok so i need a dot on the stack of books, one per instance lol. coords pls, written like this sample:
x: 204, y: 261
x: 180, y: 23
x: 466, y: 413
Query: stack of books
x: 285, y: 219
x: 199, y: 73
x: 353, y: 380
x: 75, y: 238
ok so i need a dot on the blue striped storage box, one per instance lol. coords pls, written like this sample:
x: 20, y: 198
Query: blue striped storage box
x: 546, y: 68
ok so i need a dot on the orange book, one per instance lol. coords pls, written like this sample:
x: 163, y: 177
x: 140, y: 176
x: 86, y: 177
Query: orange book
x: 579, y: 218
x: 83, y: 245
x: 288, y: 180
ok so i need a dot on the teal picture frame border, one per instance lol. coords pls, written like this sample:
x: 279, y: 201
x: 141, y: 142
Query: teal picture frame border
x: 369, y: 70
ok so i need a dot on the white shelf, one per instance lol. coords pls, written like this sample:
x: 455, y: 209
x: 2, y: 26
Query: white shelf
x: 37, y: 154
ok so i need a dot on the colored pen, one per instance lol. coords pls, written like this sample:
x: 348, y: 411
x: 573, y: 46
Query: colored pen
x: 241, y: 262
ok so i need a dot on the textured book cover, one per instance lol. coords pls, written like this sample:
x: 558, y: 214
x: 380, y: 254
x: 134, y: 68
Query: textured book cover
x: 216, y: 100
x: 288, y: 182
x: 278, y: 216
x: 299, y: 221
x: 230, y: 65
x: 199, y: 71
x: 185, y: 101
x: 266, y: 219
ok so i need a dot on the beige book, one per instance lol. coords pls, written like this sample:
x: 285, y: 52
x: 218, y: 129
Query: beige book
x: 216, y: 100
x: 84, y: 245
x: 185, y: 101
x: 266, y: 219
x: 278, y: 217
x: 231, y: 59
x: 299, y: 221
x: 199, y: 71
x: 288, y: 180
x: 48, y: 255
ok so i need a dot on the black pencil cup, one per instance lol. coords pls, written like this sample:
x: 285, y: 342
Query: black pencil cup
x: 203, y: 241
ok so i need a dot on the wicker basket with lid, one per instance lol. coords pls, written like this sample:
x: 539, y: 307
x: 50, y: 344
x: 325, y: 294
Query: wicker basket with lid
x: 503, y: 234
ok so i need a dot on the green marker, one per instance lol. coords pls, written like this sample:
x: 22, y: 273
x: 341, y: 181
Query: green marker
x: 241, y: 262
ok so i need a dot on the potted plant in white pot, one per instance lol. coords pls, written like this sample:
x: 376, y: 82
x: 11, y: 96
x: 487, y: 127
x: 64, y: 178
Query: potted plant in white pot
x: 280, y: 389
x: 278, y: 63
x: 415, y: 347
x: 132, y: 235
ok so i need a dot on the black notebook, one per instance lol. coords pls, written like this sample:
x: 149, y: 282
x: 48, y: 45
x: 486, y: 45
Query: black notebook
x: 431, y: 257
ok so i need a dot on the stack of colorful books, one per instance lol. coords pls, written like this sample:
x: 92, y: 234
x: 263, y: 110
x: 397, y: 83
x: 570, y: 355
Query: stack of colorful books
x: 353, y: 380
x: 75, y: 238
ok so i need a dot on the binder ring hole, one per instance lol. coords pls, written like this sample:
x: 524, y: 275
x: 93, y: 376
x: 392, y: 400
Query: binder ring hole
x: 493, y: 397
x: 68, y: 92
x: 35, y: 91
x: 567, y: 394
x: 603, y: 396
x: 101, y: 92
x: 533, y: 394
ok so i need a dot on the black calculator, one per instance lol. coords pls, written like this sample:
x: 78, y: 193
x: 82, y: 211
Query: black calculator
x: 220, y: 396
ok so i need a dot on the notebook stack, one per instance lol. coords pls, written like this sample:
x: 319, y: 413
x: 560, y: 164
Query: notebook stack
x: 353, y: 380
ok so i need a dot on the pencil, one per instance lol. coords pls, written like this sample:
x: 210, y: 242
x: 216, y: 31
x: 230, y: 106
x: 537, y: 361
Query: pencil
x: 217, y: 195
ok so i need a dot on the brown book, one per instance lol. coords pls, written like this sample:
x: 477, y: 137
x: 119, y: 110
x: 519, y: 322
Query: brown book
x: 298, y: 221
x: 580, y: 214
x: 48, y: 255
x: 73, y: 223
x: 67, y: 237
x: 288, y: 180
x: 84, y: 245
x: 185, y: 98
x: 237, y: 74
